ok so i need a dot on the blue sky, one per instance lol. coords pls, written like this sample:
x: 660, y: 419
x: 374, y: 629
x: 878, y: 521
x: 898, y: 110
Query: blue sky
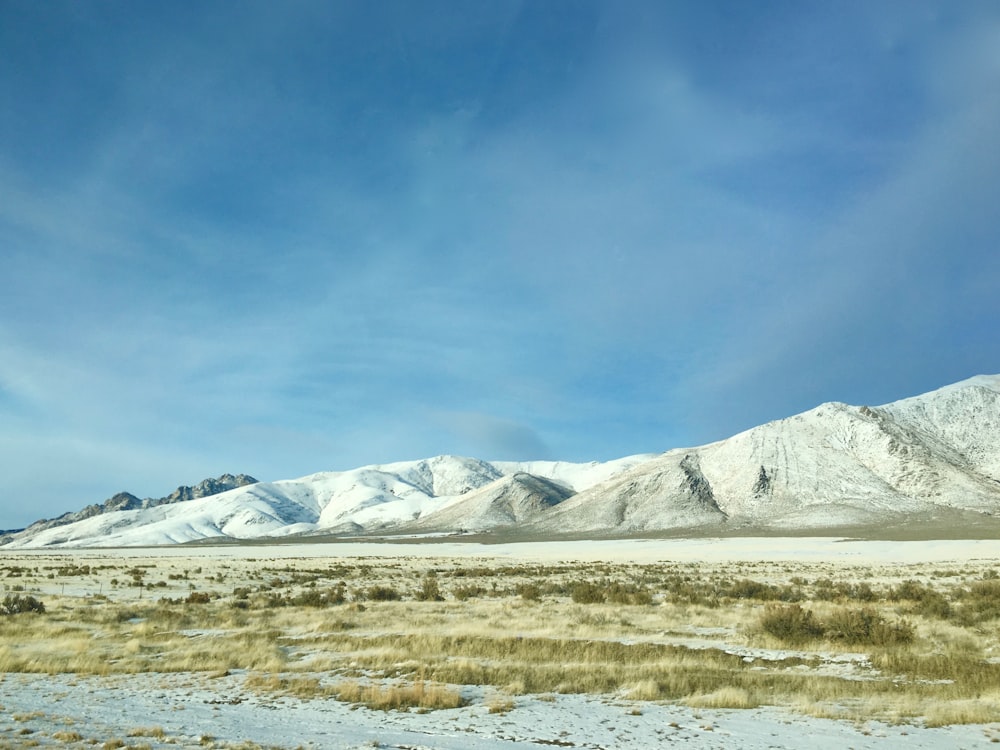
x: 280, y: 238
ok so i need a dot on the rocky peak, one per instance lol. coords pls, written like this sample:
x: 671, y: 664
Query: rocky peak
x: 204, y: 488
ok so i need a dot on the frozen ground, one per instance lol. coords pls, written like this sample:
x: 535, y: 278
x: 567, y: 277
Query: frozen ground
x: 196, y: 713
x: 194, y: 710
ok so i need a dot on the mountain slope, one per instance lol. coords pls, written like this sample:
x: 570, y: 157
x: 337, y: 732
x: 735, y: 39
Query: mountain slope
x: 505, y: 502
x: 831, y: 465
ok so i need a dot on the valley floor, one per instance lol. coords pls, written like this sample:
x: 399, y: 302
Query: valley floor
x: 608, y: 644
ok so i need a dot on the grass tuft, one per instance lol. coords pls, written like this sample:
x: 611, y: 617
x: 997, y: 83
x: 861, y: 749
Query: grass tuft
x: 156, y: 732
x: 419, y: 694
x: 500, y: 704
x: 724, y: 697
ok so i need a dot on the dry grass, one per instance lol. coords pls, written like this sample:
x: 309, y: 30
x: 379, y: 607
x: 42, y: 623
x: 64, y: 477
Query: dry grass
x: 973, y: 711
x: 499, y: 704
x: 398, y: 696
x: 301, y: 687
x: 67, y: 736
x: 650, y: 632
x: 646, y: 690
x: 156, y: 732
x: 724, y: 697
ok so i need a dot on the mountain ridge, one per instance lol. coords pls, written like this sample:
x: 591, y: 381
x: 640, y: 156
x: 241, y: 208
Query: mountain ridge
x: 835, y: 464
x: 127, y: 501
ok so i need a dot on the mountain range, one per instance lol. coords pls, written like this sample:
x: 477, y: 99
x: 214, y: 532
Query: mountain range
x: 929, y: 456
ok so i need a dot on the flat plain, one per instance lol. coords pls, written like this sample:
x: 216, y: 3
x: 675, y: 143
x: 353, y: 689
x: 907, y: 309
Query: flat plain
x: 609, y: 644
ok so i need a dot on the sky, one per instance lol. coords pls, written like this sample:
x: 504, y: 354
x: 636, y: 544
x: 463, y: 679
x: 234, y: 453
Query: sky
x: 283, y: 238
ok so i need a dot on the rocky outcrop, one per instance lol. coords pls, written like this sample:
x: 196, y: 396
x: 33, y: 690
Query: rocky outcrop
x: 205, y: 488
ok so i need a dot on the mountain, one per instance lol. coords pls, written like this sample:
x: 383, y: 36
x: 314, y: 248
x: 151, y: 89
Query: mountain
x: 127, y: 501
x: 833, y: 465
x: 508, y: 501
x: 921, y: 457
x: 369, y: 499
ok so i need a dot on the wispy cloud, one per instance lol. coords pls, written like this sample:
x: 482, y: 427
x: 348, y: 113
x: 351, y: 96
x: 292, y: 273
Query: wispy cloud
x: 900, y: 275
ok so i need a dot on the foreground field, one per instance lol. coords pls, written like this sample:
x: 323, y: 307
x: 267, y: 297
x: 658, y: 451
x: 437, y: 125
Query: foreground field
x: 583, y: 645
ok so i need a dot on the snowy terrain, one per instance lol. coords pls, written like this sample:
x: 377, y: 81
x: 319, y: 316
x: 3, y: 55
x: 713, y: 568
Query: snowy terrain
x: 189, y: 712
x: 192, y: 710
x: 835, y: 464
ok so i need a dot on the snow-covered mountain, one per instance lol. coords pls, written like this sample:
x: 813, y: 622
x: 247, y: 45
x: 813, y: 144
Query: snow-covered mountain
x: 835, y: 464
x: 364, y: 500
x: 127, y: 501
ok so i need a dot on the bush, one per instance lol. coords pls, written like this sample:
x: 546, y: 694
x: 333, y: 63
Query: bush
x: 530, y: 592
x: 587, y: 593
x: 16, y: 604
x: 867, y: 627
x: 926, y: 601
x: 862, y: 592
x: 430, y: 591
x: 628, y: 593
x: 790, y: 623
x: 381, y: 594
x: 747, y: 589
x: 462, y: 593
x: 320, y: 598
x: 981, y: 602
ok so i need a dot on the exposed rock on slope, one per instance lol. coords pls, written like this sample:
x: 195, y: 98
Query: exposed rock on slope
x: 205, y: 488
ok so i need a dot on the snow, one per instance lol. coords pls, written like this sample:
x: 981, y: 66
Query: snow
x: 639, y: 551
x: 220, y: 708
x: 577, y: 477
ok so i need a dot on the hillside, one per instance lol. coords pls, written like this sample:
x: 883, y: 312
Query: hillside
x: 833, y: 465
